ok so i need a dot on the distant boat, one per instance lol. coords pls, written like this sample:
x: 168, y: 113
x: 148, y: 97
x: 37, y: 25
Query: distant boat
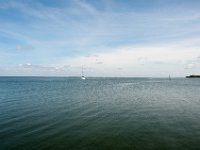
x: 82, y: 76
x: 169, y: 77
x: 193, y: 76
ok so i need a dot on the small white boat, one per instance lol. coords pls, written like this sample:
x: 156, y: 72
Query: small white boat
x: 82, y: 77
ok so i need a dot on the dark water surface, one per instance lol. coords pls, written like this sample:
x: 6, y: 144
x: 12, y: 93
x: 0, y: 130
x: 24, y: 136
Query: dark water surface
x: 47, y: 113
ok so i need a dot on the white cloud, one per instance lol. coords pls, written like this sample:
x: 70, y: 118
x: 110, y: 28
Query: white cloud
x: 24, y: 47
x: 40, y: 68
x: 86, y: 6
x: 98, y: 62
x: 190, y: 66
x: 171, y: 59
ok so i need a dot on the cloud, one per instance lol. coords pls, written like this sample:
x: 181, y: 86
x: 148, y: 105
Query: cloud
x: 86, y: 6
x: 61, y: 70
x: 35, y: 9
x: 193, y: 63
x: 172, y: 58
x: 24, y: 48
x: 40, y: 68
x: 159, y: 62
x: 92, y: 56
x: 98, y: 62
x: 190, y: 66
x: 17, y: 36
x: 142, y: 60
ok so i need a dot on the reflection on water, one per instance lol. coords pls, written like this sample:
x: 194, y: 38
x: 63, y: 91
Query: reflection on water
x: 99, y: 113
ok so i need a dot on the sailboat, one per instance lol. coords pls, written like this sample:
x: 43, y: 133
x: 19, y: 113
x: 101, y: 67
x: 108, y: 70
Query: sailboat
x: 82, y: 77
x: 169, y: 77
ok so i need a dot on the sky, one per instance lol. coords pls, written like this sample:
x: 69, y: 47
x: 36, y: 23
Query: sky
x: 109, y: 38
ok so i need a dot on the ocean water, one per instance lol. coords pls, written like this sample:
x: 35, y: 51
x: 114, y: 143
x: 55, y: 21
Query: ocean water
x: 48, y: 113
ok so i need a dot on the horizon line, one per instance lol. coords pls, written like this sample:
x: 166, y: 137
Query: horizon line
x: 91, y: 76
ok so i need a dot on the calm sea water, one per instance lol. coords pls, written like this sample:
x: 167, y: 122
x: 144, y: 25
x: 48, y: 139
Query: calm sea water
x: 44, y: 113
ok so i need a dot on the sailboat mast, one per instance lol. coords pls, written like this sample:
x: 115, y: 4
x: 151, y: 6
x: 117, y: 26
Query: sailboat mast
x: 82, y: 77
x: 82, y: 70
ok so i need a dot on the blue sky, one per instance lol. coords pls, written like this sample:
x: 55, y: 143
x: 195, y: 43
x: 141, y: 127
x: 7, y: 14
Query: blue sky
x: 108, y: 37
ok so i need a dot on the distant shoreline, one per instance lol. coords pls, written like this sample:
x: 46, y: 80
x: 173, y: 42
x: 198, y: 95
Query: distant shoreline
x: 193, y: 76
